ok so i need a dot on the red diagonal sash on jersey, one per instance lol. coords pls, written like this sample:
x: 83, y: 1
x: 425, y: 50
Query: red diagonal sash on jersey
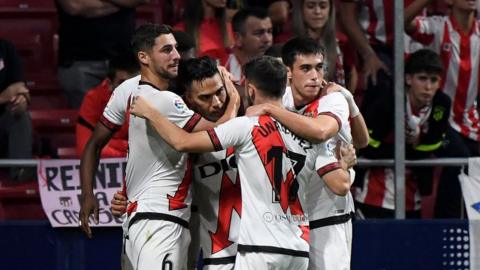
x: 229, y: 200
x: 271, y: 150
x: 178, y: 200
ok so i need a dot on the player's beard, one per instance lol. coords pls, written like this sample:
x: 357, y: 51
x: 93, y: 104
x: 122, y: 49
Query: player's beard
x: 167, y: 75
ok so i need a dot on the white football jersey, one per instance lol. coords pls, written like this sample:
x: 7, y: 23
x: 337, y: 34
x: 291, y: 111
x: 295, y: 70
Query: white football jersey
x: 271, y: 162
x: 218, y: 198
x: 115, y: 112
x: 157, y: 176
x: 321, y: 201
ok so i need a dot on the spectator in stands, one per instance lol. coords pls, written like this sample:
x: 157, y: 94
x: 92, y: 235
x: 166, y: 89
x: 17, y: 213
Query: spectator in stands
x: 15, y: 122
x: 426, y: 121
x: 90, y: 33
x: 456, y: 38
x: 205, y: 21
x: 252, y: 37
x: 316, y: 19
x: 121, y: 68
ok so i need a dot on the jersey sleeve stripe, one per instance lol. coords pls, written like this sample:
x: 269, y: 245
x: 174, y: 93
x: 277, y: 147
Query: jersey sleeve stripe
x: 328, y: 168
x: 190, y: 125
x: 334, y: 116
x: 214, y: 138
x: 108, y: 124
x: 82, y: 121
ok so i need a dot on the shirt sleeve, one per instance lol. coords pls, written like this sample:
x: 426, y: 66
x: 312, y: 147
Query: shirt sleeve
x: 326, y: 160
x: 232, y: 133
x: 174, y: 108
x: 427, y: 29
x: 336, y: 106
x: 114, y: 113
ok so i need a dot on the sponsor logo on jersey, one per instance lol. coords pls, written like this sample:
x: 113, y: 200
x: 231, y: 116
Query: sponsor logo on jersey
x: 179, y: 104
x: 476, y: 206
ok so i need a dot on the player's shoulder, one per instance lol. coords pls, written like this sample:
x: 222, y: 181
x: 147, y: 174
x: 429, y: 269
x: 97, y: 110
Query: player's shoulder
x: 333, y: 98
x: 128, y: 85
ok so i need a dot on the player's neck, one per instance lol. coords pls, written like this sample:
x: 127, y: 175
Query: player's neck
x: 159, y: 82
x: 263, y: 100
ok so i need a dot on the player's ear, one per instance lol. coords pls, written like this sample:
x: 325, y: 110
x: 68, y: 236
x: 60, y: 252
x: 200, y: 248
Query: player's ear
x: 251, y: 90
x: 408, y: 79
x: 143, y: 57
x: 289, y: 74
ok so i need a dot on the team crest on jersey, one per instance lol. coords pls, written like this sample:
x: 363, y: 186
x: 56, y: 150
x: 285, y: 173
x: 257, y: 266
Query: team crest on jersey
x: 447, y: 47
x: 179, y: 104
x: 438, y: 112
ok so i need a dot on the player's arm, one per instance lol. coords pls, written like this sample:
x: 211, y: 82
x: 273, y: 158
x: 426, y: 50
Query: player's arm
x: 411, y: 12
x: 88, y: 8
x: 315, y: 130
x: 349, y: 19
x: 335, y: 174
x: 179, y: 139
x: 359, y: 130
x: 88, y: 167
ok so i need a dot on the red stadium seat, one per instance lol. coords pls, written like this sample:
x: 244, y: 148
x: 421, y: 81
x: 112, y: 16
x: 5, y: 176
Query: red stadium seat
x: 20, y: 201
x: 54, y: 120
x: 33, y: 32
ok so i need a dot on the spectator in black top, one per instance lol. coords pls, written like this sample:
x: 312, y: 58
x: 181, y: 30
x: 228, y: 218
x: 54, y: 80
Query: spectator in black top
x: 90, y: 32
x: 15, y: 122
x: 426, y: 121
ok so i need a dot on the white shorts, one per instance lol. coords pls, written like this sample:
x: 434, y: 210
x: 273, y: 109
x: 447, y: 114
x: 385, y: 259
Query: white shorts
x: 331, y: 247
x: 157, y: 244
x: 269, y: 261
x: 229, y: 266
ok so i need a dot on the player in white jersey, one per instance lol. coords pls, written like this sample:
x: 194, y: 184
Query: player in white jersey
x: 330, y: 204
x: 156, y: 182
x: 273, y: 230
x: 216, y: 185
x: 215, y: 180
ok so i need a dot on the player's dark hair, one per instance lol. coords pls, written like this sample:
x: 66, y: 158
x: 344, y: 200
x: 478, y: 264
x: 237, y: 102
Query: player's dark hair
x: 424, y: 60
x: 268, y: 74
x: 185, y: 42
x: 125, y: 61
x: 238, y: 20
x: 195, y: 69
x: 300, y: 46
x: 144, y: 37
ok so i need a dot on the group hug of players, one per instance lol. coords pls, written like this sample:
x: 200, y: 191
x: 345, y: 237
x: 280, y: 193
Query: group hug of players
x: 269, y: 190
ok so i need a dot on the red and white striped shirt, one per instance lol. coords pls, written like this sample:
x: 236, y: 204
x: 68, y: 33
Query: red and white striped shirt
x: 379, y: 189
x: 461, y: 59
x: 376, y: 18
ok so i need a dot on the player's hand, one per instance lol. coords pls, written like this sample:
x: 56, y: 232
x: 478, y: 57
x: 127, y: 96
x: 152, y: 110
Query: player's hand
x: 88, y: 205
x: 230, y: 88
x: 257, y: 110
x: 330, y: 87
x: 119, y: 204
x: 372, y: 64
x: 224, y: 73
x: 140, y: 107
x: 347, y: 153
